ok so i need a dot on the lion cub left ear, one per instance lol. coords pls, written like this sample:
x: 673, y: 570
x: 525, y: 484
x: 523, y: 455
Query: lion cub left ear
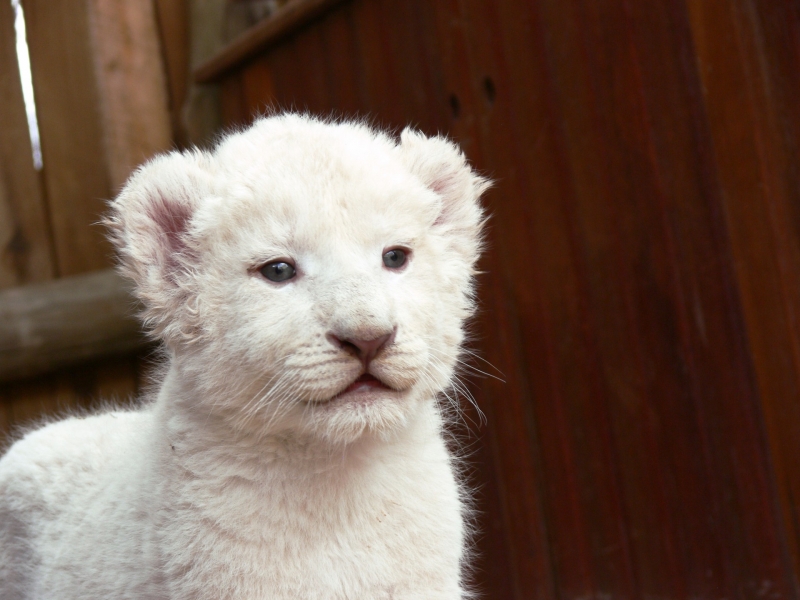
x: 150, y: 223
x: 443, y: 168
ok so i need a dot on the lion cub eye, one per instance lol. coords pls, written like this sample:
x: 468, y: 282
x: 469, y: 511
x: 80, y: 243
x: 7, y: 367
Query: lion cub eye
x: 278, y: 271
x: 394, y: 258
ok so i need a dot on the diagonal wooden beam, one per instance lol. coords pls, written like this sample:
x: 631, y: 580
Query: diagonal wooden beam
x: 286, y: 20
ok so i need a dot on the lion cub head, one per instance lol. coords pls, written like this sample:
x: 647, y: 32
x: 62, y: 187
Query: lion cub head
x: 306, y: 276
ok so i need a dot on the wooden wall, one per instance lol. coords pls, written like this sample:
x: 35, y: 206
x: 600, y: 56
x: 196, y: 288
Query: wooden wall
x: 642, y: 283
x: 103, y: 106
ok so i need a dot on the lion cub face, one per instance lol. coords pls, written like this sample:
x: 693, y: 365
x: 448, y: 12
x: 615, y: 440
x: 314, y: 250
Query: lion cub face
x: 308, y: 277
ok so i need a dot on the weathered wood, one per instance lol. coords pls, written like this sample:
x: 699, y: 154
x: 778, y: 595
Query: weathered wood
x: 55, y: 324
x: 25, y: 247
x: 283, y: 23
x: 750, y: 88
x: 132, y: 86
x: 73, y: 148
x: 96, y: 71
x: 173, y: 28
x: 201, y: 117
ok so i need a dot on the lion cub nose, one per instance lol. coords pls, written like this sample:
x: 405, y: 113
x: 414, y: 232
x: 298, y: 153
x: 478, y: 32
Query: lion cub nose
x: 364, y: 349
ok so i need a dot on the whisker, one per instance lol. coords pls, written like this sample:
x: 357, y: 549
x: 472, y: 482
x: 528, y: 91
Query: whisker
x: 476, y: 356
x: 458, y: 386
x: 468, y: 366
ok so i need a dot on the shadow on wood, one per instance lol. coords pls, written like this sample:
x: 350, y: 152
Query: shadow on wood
x: 67, y: 321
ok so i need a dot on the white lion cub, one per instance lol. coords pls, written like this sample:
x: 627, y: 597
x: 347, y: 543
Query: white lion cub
x: 309, y: 281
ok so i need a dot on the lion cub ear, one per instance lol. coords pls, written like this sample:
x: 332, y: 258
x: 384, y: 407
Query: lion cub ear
x: 443, y: 168
x: 150, y: 224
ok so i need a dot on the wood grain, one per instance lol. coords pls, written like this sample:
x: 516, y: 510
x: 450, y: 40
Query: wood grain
x: 25, y: 246
x: 51, y: 325
x: 68, y: 104
x: 132, y: 87
x: 173, y: 30
x: 284, y: 22
x: 749, y: 89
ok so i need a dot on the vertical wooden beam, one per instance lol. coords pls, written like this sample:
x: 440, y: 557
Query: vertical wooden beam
x: 102, y: 104
x: 173, y: 28
x: 131, y: 83
x: 68, y: 105
x: 25, y: 248
x: 741, y: 48
x: 202, y: 111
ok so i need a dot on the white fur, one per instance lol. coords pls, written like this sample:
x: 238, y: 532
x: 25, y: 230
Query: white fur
x: 242, y: 478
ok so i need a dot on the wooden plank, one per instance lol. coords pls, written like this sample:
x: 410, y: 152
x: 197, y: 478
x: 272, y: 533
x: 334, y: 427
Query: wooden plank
x: 132, y: 87
x: 715, y: 346
x: 548, y: 289
x: 201, y: 113
x: 283, y: 23
x: 94, y: 59
x: 73, y: 148
x: 173, y: 29
x: 613, y: 231
x: 25, y: 246
x: 524, y: 556
x: 745, y: 61
x: 506, y: 539
x: 27, y: 249
x: 67, y: 321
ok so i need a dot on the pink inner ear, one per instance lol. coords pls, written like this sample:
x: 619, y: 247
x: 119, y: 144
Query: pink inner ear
x: 445, y: 186
x: 171, y: 219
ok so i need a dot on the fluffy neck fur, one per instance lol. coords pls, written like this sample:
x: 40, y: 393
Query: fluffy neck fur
x: 296, y: 510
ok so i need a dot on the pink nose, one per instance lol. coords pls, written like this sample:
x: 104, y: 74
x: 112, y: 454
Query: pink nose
x: 365, y: 350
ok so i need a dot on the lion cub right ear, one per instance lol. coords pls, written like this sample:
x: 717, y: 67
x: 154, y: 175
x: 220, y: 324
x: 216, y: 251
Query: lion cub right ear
x: 150, y: 224
x: 443, y: 168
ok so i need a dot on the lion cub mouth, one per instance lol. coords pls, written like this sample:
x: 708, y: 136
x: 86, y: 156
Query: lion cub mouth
x: 363, y: 390
x: 365, y: 383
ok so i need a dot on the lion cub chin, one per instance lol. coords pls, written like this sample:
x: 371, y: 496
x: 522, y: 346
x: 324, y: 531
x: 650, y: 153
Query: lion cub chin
x: 309, y: 282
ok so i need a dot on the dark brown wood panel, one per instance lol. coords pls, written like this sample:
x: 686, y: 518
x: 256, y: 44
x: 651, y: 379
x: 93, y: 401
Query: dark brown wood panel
x: 749, y: 82
x: 643, y: 272
x: 173, y: 32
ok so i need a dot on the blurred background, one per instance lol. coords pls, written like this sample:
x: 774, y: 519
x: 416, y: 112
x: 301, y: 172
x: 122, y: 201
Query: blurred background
x: 642, y: 286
